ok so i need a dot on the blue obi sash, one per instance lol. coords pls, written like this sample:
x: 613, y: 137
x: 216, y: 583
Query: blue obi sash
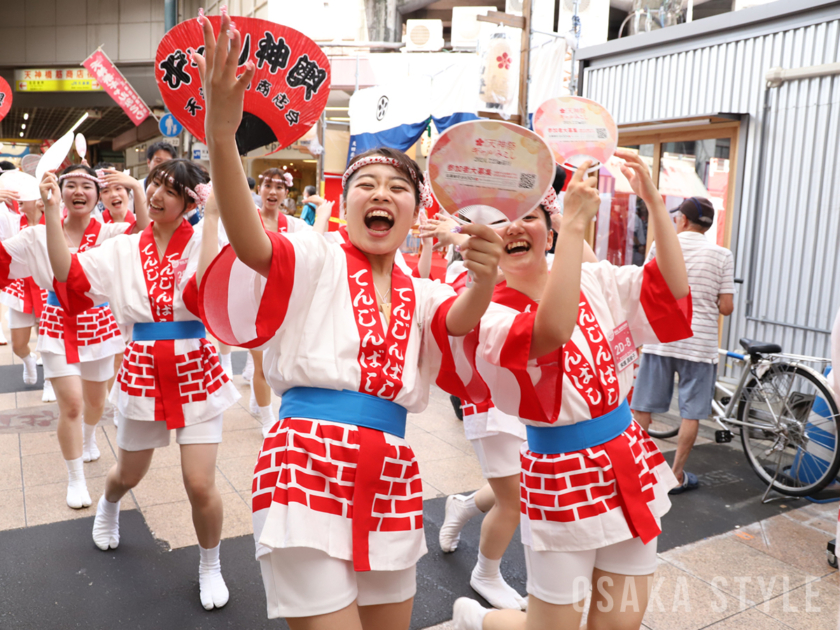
x: 568, y: 438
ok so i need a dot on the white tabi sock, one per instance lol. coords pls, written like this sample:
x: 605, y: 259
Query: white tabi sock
x: 106, y: 525
x: 267, y: 419
x: 30, y: 370
x: 49, y: 392
x: 227, y: 366
x: 459, y: 509
x: 253, y: 405
x: 248, y: 372
x: 90, y: 452
x: 468, y: 614
x: 213, y: 590
x: 487, y: 581
x: 77, y: 493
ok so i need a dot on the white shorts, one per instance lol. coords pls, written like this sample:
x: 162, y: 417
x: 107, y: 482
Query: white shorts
x: 56, y: 366
x: 565, y: 577
x: 140, y: 435
x: 21, y: 320
x: 302, y: 582
x: 498, y: 455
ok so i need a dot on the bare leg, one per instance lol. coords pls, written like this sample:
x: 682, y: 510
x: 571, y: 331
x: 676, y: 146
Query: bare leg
x: 643, y: 418
x: 130, y: 468
x: 94, y: 395
x: 262, y: 390
x: 484, y: 498
x: 346, y: 619
x: 118, y: 359
x: 68, y: 392
x: 618, y: 601
x: 685, y: 442
x: 198, y: 466
x: 20, y: 341
x: 387, y: 616
x: 501, y: 521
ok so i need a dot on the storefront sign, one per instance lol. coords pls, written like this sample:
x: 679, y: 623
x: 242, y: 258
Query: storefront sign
x: 112, y: 80
x: 55, y: 80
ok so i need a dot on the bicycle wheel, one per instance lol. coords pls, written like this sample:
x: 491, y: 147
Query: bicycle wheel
x: 793, y: 443
x: 659, y: 429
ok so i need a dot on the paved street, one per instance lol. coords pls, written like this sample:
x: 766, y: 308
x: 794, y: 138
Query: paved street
x: 726, y: 560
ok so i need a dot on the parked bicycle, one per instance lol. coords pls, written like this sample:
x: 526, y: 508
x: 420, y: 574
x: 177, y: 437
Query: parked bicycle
x: 786, y: 415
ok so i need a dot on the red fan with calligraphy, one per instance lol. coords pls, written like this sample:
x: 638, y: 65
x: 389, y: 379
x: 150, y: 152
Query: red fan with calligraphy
x: 285, y: 98
x: 5, y: 98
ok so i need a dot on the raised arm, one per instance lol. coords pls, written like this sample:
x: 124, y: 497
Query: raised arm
x: 558, y: 308
x: 60, y: 258
x: 141, y: 207
x: 224, y: 96
x: 481, y: 257
x: 209, y: 237
x: 588, y: 253
x: 668, y: 251
x: 322, y: 216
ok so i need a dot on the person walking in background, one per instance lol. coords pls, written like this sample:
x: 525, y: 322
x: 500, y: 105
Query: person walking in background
x: 710, y: 270
x: 309, y: 206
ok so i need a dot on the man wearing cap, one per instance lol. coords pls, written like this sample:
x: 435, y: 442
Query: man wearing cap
x: 710, y: 270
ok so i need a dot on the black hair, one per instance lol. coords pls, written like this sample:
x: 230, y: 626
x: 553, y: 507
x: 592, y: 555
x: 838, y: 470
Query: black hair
x: 180, y: 175
x: 102, y: 165
x: 5, y: 165
x: 406, y: 165
x: 559, y: 178
x: 251, y: 183
x: 160, y: 146
x: 271, y: 173
x: 309, y: 190
x: 79, y: 167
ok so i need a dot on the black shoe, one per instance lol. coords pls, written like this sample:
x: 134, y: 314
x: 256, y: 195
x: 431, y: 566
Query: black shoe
x: 456, y: 405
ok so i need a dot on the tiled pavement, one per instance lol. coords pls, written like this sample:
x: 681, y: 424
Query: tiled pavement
x: 769, y: 575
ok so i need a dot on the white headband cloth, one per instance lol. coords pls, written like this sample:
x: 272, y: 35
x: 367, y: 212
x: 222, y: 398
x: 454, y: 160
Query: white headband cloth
x: 550, y: 202
x: 423, y: 188
x: 83, y: 175
x: 288, y: 180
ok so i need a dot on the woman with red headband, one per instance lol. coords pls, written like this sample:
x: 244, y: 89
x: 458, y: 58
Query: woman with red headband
x: 78, y: 348
x: 171, y: 377
x: 556, y: 350
x: 352, y: 344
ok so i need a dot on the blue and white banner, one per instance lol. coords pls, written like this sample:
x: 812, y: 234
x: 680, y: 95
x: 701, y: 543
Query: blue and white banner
x: 455, y: 93
x: 393, y: 115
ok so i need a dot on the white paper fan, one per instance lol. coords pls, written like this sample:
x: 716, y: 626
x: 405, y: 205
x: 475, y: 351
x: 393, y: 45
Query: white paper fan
x: 25, y: 185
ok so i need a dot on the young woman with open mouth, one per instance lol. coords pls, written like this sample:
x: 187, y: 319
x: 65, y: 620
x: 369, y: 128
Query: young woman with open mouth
x: 351, y: 345
x: 171, y: 377
x: 77, y: 348
x: 556, y: 350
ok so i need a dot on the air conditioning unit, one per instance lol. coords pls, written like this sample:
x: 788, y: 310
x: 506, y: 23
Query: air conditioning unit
x: 466, y: 29
x: 423, y: 35
x: 513, y: 7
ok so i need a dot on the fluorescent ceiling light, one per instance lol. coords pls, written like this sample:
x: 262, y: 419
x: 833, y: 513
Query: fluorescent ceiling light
x: 79, y: 122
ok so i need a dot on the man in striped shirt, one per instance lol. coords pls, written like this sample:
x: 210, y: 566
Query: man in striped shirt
x: 710, y: 270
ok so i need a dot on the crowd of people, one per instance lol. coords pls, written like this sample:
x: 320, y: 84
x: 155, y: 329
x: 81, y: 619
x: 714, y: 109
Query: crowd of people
x: 125, y: 279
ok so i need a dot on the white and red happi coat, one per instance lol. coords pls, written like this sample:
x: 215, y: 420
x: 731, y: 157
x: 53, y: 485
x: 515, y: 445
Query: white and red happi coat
x: 88, y: 336
x: 350, y: 491
x: 179, y: 381
x: 571, y: 501
x: 130, y: 219
x: 22, y: 295
x: 483, y: 419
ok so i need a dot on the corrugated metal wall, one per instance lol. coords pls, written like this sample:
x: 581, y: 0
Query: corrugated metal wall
x: 798, y: 244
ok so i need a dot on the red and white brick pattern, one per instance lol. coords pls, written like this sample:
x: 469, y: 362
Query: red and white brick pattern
x: 579, y: 485
x: 314, y: 463
x: 15, y: 290
x: 200, y: 372
x: 94, y: 326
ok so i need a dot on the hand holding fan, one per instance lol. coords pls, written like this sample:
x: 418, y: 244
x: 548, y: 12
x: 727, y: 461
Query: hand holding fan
x: 577, y: 130
x: 55, y: 155
x: 486, y: 171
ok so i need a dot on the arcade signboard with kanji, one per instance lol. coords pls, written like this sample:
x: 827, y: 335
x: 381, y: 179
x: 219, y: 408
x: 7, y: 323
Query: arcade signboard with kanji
x: 55, y: 80
x: 287, y: 95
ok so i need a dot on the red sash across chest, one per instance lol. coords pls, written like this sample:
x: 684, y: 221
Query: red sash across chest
x: 282, y: 222
x: 130, y: 219
x: 160, y: 277
x: 382, y: 361
x: 598, y: 384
